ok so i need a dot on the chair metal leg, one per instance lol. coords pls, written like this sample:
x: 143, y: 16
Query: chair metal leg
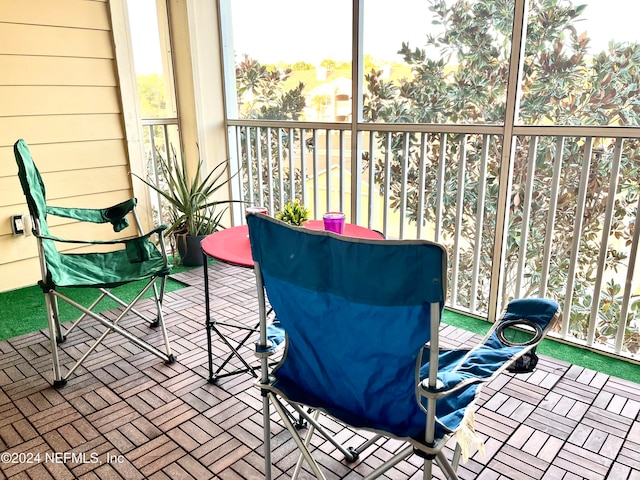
x: 111, y: 326
x: 307, y: 442
x: 427, y: 468
x: 367, y: 444
x: 160, y: 320
x: 60, y: 337
x: 152, y: 323
x: 266, y: 420
x: 350, y: 454
x: 445, y: 466
x: 455, y: 461
x: 296, y: 437
x: 159, y: 295
x: 84, y: 315
x: 54, y: 332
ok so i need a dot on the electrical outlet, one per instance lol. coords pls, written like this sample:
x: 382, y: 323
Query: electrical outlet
x: 17, y: 224
x: 28, y: 226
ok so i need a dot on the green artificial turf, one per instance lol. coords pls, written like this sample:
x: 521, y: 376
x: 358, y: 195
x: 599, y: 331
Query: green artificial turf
x: 561, y: 351
x: 23, y: 310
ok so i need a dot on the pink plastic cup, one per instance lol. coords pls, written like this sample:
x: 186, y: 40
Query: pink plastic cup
x: 333, y: 222
x: 262, y: 210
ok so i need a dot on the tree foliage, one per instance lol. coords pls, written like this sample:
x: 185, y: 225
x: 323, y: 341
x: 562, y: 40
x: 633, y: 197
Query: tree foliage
x: 260, y: 92
x: 151, y: 92
x: 262, y: 95
x: 562, y: 84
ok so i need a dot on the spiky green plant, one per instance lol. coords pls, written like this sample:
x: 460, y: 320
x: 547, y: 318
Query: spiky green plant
x: 193, y: 208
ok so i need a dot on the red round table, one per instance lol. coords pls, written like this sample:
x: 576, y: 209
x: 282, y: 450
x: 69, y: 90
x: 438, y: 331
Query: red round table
x: 232, y: 245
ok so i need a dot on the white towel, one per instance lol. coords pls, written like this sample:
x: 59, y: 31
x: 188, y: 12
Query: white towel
x: 467, y: 437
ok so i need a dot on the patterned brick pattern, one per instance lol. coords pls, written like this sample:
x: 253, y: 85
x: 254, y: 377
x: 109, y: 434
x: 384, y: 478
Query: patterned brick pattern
x: 127, y: 415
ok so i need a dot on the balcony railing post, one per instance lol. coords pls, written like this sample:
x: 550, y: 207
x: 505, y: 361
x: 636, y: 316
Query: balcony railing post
x: 518, y: 36
x: 604, y: 241
x: 577, y: 236
x: 235, y: 172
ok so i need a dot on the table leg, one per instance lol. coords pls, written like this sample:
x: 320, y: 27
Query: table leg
x: 207, y: 323
x: 210, y: 324
x: 248, y: 368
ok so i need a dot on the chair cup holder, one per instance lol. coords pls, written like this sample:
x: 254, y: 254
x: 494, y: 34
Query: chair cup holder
x: 521, y: 329
x: 523, y: 335
x: 115, y: 213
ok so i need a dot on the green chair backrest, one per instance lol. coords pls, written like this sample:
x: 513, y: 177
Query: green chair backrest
x: 34, y: 191
x: 32, y: 184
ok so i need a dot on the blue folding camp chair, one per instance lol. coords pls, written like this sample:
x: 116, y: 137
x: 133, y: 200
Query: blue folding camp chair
x: 362, y: 321
x: 138, y: 259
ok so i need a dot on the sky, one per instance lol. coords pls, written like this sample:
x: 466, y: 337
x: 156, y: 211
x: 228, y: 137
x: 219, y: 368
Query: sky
x: 144, y: 36
x: 324, y: 31
x: 313, y: 31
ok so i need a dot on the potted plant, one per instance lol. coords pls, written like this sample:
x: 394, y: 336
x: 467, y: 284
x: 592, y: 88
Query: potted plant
x: 294, y: 213
x: 193, y: 211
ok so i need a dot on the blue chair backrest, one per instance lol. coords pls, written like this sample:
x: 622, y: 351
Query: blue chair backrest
x: 356, y: 314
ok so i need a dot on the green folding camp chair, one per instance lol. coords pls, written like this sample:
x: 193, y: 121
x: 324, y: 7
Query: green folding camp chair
x: 138, y: 259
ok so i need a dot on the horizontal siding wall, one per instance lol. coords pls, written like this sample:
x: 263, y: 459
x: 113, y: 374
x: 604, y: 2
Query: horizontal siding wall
x: 59, y: 92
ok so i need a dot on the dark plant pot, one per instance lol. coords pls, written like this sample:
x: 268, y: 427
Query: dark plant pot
x: 189, y: 249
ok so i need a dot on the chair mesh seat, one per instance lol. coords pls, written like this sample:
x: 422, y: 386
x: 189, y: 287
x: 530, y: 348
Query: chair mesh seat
x: 106, y: 270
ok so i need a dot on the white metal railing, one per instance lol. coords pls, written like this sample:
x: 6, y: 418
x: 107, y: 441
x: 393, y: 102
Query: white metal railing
x: 447, y: 177
x: 559, y: 242
x: 160, y: 136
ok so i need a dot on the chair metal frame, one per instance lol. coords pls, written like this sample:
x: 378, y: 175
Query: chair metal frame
x: 428, y: 391
x: 57, y: 333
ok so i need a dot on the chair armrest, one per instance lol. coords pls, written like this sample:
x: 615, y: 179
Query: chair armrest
x: 140, y: 249
x: 542, y: 311
x: 536, y: 314
x: 115, y: 214
x: 124, y: 241
x: 459, y: 368
x: 451, y: 380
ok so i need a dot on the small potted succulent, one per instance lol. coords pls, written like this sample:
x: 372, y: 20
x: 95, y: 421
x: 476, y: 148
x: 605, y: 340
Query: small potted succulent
x: 294, y: 213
